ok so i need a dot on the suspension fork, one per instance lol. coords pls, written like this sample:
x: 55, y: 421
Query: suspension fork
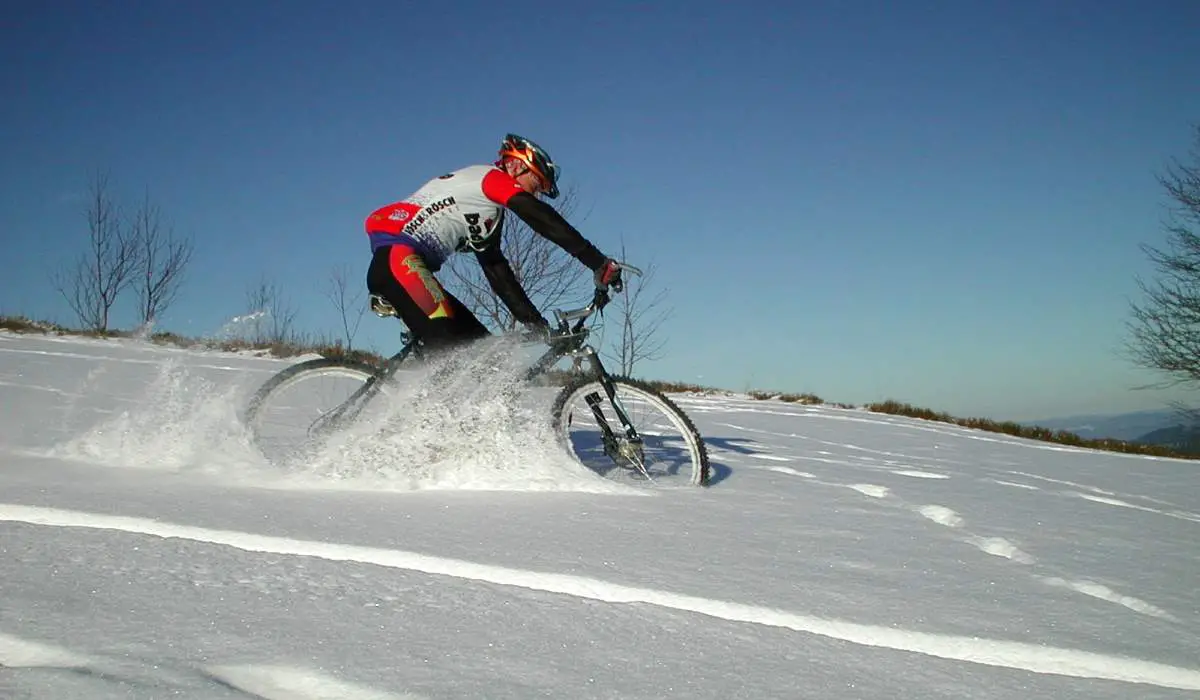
x: 578, y: 356
x: 610, y: 389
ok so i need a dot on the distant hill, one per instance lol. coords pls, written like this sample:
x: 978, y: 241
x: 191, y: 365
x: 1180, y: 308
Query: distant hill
x: 1161, y: 427
x: 1120, y: 426
x: 1177, y: 437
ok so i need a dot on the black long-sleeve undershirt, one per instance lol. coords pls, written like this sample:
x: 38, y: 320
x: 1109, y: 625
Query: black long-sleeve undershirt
x: 504, y: 282
x: 547, y: 222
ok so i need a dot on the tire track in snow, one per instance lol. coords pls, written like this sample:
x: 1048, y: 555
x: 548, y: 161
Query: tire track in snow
x: 1001, y: 547
x: 870, y: 490
x: 793, y: 472
x: 857, y: 450
x: 941, y: 515
x: 22, y: 653
x: 1099, y: 495
x: 1108, y: 500
x: 267, y: 682
x: 142, y: 361
x: 995, y: 546
x: 1098, y: 590
x: 1036, y: 658
x: 1015, y: 485
x: 292, y: 683
x: 918, y: 474
x: 998, y: 546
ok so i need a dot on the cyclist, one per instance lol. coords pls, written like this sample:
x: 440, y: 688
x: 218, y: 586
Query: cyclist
x: 463, y: 211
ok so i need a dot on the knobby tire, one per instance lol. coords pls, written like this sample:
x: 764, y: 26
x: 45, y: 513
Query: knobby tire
x: 701, y: 469
x: 290, y: 374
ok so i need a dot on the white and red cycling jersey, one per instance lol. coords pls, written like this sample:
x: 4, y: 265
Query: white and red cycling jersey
x: 464, y: 210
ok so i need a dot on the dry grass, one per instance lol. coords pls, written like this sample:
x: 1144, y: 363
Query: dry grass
x: 21, y: 324
x: 1062, y: 437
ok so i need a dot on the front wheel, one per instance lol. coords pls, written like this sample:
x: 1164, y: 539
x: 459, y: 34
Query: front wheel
x: 306, y: 402
x: 667, y: 450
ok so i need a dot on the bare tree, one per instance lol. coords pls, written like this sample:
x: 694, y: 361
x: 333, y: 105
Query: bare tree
x: 161, y: 261
x: 1165, y: 328
x: 546, y: 271
x: 274, y: 318
x: 349, y: 305
x: 93, y: 282
x: 640, y: 316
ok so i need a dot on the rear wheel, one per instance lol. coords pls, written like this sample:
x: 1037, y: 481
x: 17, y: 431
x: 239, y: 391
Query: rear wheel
x: 670, y: 451
x: 305, y: 402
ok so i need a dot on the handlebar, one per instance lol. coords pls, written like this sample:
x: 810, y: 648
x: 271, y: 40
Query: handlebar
x: 573, y: 335
x: 599, y: 300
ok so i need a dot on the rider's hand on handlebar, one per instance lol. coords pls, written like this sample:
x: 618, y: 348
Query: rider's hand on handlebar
x: 609, y: 275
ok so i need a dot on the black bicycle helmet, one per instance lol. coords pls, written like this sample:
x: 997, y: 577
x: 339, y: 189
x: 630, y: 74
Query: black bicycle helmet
x: 535, y: 157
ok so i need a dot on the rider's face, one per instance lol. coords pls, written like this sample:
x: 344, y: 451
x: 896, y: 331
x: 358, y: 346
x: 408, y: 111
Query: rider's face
x: 526, y: 177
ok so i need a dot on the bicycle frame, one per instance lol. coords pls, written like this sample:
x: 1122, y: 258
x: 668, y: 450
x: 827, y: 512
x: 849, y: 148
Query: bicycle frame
x: 571, y: 341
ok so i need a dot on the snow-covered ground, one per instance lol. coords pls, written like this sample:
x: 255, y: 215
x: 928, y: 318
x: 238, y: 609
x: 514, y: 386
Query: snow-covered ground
x: 147, y: 552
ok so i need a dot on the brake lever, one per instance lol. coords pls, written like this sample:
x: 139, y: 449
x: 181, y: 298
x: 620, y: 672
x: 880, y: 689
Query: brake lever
x: 619, y: 286
x: 626, y: 266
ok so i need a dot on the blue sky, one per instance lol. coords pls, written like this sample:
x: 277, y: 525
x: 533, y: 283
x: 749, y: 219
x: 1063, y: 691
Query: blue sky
x: 938, y: 202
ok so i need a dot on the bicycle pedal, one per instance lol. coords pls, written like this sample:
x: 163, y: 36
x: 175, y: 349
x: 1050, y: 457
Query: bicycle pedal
x: 382, y: 307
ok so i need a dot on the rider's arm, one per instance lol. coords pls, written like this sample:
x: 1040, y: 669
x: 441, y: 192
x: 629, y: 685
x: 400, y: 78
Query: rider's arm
x: 501, y: 188
x: 504, y: 282
x: 545, y: 220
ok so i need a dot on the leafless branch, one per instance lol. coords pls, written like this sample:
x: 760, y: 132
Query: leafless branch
x: 640, y: 315
x: 105, y: 268
x: 162, y: 260
x: 1164, y: 329
x: 349, y: 305
x: 274, y: 317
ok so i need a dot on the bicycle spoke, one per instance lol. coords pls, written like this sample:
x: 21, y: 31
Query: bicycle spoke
x: 663, y: 449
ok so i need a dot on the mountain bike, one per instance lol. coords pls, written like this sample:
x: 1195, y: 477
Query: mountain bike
x: 616, y: 437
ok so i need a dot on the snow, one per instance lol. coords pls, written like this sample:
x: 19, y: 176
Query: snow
x: 148, y: 551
